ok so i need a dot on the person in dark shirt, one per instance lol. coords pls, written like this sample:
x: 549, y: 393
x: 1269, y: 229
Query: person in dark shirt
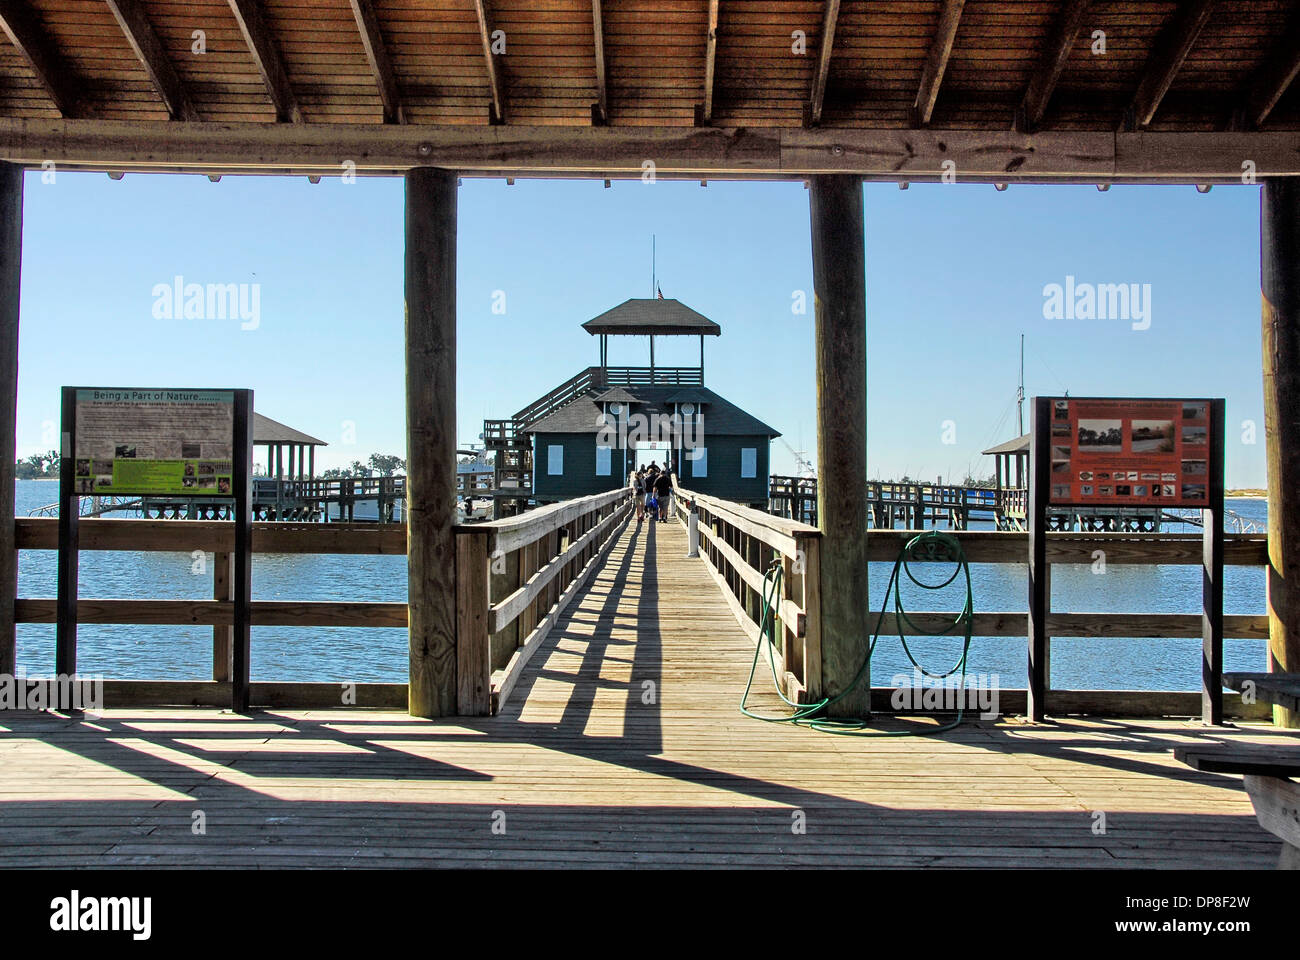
x: 663, y: 488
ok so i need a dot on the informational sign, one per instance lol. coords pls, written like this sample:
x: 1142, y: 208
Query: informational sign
x: 154, y: 442
x: 158, y: 443
x: 1129, y: 452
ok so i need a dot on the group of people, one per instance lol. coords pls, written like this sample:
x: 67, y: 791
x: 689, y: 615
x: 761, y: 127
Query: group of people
x: 652, y: 488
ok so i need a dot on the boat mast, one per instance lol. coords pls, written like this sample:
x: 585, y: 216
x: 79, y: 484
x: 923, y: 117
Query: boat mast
x: 1020, y: 391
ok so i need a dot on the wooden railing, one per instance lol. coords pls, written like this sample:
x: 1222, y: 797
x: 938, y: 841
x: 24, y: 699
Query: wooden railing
x: 218, y: 538
x: 513, y: 578
x: 738, y: 544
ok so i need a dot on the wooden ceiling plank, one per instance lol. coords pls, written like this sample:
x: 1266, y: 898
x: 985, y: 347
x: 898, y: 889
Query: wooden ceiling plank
x: 494, y: 76
x: 266, y: 54
x: 1275, y: 77
x: 1052, y: 63
x: 936, y: 62
x: 372, y: 39
x: 25, y: 32
x: 1172, y: 47
x: 144, y: 41
x: 598, y: 34
x: 710, y: 62
x: 817, y: 98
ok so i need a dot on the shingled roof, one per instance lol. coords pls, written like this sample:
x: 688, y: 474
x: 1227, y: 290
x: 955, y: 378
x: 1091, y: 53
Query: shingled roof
x: 266, y: 430
x: 658, y: 317
x: 722, y: 418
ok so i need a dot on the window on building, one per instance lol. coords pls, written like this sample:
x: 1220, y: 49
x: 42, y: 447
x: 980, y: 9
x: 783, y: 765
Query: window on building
x: 699, y: 458
x: 555, y: 459
x: 748, y: 462
x: 604, y: 461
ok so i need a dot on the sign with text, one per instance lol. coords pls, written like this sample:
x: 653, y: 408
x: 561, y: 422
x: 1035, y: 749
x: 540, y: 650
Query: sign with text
x: 153, y: 442
x: 1130, y: 452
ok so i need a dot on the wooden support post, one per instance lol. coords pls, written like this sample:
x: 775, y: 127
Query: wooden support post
x: 839, y: 281
x: 431, y: 439
x: 1280, y: 288
x: 11, y: 241
x: 223, y: 638
x: 1039, y: 583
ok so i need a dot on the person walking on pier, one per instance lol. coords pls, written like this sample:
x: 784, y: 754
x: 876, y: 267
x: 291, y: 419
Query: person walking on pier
x: 663, y: 489
x: 637, y: 482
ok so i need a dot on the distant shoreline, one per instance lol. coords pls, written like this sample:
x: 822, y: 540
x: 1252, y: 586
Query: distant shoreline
x: 1247, y: 493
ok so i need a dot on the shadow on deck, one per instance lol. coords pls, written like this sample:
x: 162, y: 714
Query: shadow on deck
x: 622, y: 745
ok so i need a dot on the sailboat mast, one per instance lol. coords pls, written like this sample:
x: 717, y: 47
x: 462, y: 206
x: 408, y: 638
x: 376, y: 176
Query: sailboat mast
x: 1020, y: 391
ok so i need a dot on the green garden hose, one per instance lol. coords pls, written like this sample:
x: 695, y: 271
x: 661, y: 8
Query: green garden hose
x: 931, y: 545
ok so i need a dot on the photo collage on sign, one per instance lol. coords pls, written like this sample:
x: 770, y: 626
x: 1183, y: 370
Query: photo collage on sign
x: 1130, y: 452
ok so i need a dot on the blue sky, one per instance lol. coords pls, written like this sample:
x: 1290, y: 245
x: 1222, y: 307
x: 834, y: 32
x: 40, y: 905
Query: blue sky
x: 955, y: 273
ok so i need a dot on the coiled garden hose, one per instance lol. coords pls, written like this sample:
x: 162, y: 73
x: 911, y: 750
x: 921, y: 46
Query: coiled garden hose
x: 931, y: 545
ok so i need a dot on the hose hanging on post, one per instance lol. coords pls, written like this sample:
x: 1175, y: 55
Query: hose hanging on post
x: 933, y: 545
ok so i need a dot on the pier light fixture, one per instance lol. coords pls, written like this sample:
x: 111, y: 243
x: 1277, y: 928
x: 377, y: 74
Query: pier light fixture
x: 214, y: 177
x: 999, y: 187
x: 904, y: 184
x: 115, y: 174
x: 314, y: 178
x: 510, y: 181
x: 607, y: 184
x: 1204, y: 187
x: 1103, y: 187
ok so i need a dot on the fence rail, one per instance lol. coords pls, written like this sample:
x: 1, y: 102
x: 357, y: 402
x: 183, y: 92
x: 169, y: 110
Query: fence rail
x: 513, y: 578
x: 738, y: 544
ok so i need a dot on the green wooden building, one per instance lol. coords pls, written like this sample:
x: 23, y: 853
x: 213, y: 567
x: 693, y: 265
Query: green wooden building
x: 588, y: 434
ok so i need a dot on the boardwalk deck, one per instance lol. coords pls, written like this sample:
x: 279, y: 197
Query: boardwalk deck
x: 584, y: 767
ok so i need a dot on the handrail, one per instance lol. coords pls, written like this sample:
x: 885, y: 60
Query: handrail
x: 738, y: 544
x: 514, y: 576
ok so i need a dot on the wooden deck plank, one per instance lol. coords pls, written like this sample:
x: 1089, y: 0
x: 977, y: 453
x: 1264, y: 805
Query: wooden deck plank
x: 590, y: 766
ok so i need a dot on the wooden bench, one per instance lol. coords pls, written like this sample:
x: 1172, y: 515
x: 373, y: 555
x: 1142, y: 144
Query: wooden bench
x: 1279, y: 689
x: 1266, y: 772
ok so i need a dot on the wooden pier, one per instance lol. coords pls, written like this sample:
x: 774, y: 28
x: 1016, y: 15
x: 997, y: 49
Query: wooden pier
x: 583, y: 768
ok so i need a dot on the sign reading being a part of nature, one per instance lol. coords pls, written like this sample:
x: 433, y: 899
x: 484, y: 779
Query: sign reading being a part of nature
x: 154, y: 442
x: 1123, y: 452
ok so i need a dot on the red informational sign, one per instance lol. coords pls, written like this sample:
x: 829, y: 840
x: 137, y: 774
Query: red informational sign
x: 1120, y: 452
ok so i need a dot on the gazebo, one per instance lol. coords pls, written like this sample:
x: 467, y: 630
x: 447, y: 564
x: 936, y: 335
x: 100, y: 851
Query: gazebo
x: 291, y: 452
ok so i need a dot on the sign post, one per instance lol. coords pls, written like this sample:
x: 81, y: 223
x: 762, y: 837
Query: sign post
x: 159, y: 443
x: 1127, y: 452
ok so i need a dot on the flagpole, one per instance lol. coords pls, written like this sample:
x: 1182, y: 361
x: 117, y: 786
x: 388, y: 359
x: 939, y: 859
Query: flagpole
x: 653, y: 274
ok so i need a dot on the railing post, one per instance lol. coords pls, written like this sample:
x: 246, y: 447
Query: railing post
x: 693, y: 532
x: 473, y: 641
x: 11, y: 242
x: 223, y: 638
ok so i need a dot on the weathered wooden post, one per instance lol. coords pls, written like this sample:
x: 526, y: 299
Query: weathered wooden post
x: 431, y: 439
x: 839, y: 288
x: 11, y: 241
x: 1279, y: 223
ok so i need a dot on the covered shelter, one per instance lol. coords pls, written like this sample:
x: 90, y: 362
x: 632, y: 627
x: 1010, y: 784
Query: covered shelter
x: 290, y: 453
x: 831, y: 93
x: 1009, y: 455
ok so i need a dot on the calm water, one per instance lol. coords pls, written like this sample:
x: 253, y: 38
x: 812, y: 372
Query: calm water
x: 370, y: 654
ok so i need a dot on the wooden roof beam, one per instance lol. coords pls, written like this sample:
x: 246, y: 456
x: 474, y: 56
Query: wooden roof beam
x: 1033, y: 107
x: 25, y: 32
x: 937, y: 62
x: 1172, y: 48
x: 144, y: 41
x: 1273, y: 79
x: 498, y: 114
x: 710, y: 63
x: 266, y: 54
x: 600, y: 111
x: 817, y: 98
x: 377, y: 55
